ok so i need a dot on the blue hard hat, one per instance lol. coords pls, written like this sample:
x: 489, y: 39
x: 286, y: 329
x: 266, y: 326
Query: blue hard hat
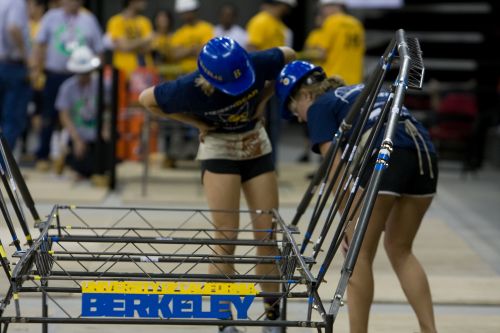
x: 289, y: 78
x: 226, y: 65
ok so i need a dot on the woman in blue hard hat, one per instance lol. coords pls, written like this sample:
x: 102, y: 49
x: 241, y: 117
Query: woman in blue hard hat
x: 406, y: 191
x: 222, y: 99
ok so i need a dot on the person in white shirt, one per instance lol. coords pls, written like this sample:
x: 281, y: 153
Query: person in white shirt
x: 228, y: 14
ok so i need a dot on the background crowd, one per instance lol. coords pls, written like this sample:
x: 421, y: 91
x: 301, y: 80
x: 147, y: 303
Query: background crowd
x: 37, y: 38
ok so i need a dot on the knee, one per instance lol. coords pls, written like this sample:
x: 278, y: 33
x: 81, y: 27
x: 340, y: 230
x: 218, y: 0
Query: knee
x: 396, y: 251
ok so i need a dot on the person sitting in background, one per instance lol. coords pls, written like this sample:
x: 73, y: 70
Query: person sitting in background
x: 77, y: 106
x: 131, y: 35
x: 228, y: 14
x: 62, y: 30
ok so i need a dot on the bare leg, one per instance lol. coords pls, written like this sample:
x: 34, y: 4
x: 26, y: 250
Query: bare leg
x: 360, y: 288
x: 261, y: 192
x: 223, y: 193
x: 401, y: 229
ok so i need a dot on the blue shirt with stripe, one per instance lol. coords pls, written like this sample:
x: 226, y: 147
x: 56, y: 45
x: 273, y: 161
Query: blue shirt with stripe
x: 235, y: 114
x: 327, y: 112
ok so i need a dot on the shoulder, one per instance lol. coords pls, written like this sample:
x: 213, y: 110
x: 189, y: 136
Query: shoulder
x: 172, y: 95
x: 266, y: 57
x: 258, y: 19
x: 68, y: 87
x: 115, y: 19
x: 52, y: 14
x: 348, y: 94
x: 87, y: 15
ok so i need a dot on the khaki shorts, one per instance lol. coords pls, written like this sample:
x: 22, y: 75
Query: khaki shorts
x: 235, y: 146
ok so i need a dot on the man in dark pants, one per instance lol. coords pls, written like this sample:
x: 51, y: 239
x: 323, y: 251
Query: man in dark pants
x: 14, y: 86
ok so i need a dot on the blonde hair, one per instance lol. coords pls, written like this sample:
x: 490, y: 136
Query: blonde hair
x: 319, y: 88
x: 204, y: 85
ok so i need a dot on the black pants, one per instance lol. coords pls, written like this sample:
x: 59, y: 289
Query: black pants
x: 87, y: 164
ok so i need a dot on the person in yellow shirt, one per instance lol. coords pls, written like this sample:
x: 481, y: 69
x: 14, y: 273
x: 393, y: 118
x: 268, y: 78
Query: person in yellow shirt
x: 342, y: 42
x: 161, y: 46
x: 131, y: 35
x: 189, y: 39
x: 266, y: 30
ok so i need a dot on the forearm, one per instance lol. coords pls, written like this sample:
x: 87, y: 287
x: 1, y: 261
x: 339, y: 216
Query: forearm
x: 148, y: 100
x: 179, y: 53
x: 69, y: 126
x: 132, y: 45
x: 37, y: 60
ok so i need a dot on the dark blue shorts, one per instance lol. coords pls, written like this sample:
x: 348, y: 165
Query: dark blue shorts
x: 403, y: 176
x: 247, y: 169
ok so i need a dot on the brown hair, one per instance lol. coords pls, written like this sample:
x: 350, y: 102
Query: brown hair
x: 204, y: 85
x: 319, y: 88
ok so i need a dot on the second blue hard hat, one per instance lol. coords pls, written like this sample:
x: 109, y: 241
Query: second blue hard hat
x: 289, y: 78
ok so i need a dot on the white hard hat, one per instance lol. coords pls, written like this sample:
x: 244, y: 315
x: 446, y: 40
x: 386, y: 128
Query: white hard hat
x: 332, y: 2
x: 83, y: 60
x: 291, y: 3
x: 182, y: 6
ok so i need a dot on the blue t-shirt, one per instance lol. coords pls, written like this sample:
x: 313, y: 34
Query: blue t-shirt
x: 225, y: 112
x: 326, y: 114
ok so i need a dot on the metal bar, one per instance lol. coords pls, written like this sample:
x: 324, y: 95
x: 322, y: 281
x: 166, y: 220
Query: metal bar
x: 318, y: 176
x: 171, y: 229
x: 114, y: 129
x: 153, y: 209
x: 145, y: 136
x: 166, y: 321
x: 69, y: 290
x: 151, y: 259
x: 381, y: 164
x: 151, y: 240
x: 358, y: 171
x: 304, y: 271
x: 5, y: 261
x: 12, y: 168
x: 45, y: 306
x: 6, y: 216
x: 74, y: 275
x: 149, y: 254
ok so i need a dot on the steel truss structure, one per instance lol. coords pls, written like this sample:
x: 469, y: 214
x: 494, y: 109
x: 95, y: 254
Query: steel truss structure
x: 77, y: 245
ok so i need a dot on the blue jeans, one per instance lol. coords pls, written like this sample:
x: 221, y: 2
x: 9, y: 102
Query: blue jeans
x: 50, y: 116
x: 15, y: 93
